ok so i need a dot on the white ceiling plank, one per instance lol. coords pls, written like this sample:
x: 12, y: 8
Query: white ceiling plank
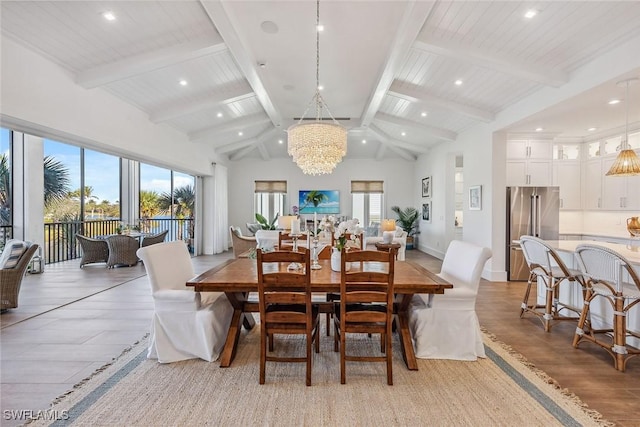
x: 140, y: 64
x: 232, y: 125
x: 263, y: 151
x: 226, y: 26
x: 474, y: 56
x: 415, y: 15
x: 179, y: 110
x: 439, y: 133
x: 380, y: 151
x: 414, y: 94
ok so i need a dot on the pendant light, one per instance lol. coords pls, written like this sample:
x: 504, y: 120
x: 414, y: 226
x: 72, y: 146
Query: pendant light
x: 627, y: 162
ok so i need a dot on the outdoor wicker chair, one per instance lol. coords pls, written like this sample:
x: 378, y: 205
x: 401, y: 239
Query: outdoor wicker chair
x: 11, y: 279
x: 122, y: 250
x: 93, y: 250
x: 154, y: 239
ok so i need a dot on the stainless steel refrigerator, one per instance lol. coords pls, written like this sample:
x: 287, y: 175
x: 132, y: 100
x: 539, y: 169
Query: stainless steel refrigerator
x: 534, y: 211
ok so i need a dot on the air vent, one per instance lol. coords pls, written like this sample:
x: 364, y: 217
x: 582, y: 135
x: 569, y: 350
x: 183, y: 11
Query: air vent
x: 340, y: 119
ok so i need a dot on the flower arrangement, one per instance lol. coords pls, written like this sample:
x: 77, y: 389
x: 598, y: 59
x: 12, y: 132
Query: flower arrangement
x: 340, y: 234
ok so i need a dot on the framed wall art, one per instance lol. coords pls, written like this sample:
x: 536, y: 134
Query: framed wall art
x: 426, y: 211
x: 475, y: 198
x: 426, y: 187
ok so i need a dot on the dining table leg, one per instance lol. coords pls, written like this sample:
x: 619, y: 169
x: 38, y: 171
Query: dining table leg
x: 406, y: 344
x: 238, y: 319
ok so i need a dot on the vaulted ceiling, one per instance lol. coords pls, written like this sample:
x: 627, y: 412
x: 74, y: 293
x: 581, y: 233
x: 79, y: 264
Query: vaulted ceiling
x: 388, y: 68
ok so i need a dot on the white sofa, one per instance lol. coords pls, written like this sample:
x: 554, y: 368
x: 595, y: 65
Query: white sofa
x: 400, y: 237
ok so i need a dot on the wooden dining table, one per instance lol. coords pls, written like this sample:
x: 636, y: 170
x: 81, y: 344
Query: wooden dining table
x: 237, y: 278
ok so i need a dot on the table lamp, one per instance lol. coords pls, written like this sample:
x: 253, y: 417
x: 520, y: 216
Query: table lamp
x: 388, y: 230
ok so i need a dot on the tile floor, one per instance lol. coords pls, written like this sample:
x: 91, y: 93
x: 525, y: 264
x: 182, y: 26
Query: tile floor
x: 71, y: 321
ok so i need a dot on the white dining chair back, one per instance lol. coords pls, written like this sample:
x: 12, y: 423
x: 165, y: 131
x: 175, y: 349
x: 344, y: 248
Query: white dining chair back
x: 183, y: 326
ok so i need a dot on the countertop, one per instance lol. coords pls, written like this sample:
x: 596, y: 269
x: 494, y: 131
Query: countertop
x: 630, y: 251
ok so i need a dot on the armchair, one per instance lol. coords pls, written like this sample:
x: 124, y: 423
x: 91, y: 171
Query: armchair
x: 240, y: 243
x: 93, y: 250
x: 11, y: 278
x: 183, y: 327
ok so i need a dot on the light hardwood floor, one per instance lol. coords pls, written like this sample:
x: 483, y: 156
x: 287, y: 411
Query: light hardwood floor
x: 72, y: 321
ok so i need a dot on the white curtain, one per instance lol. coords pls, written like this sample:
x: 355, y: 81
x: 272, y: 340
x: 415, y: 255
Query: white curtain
x: 220, y: 209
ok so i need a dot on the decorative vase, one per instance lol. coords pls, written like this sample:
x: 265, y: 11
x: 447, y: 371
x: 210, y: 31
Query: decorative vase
x: 633, y: 226
x: 387, y: 237
x: 336, y: 258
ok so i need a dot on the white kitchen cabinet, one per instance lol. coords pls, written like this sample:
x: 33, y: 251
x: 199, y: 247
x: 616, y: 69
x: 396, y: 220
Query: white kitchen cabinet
x: 566, y: 175
x: 529, y: 162
x: 619, y: 192
x: 592, y: 188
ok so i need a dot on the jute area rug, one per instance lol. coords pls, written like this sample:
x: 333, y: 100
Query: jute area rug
x: 500, y: 390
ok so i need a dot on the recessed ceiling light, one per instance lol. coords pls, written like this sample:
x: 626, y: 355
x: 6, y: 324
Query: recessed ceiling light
x: 403, y: 134
x: 109, y: 16
x: 280, y: 141
x: 458, y: 82
x: 423, y: 114
x: 183, y: 82
x: 240, y: 133
x: 219, y: 114
x: 592, y: 129
x: 320, y: 27
x: 320, y: 87
x: 539, y: 129
x: 364, y: 141
x: 614, y: 102
x: 530, y: 13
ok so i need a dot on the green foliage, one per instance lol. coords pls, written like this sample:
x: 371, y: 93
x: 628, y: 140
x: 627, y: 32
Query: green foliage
x: 265, y: 224
x: 407, y: 219
x: 56, y: 181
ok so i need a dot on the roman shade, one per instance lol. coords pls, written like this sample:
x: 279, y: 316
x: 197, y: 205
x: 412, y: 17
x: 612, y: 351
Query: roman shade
x: 271, y: 187
x: 367, y: 186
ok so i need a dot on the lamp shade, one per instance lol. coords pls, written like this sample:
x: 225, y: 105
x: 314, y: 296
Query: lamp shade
x: 284, y: 222
x: 388, y: 225
x: 626, y: 164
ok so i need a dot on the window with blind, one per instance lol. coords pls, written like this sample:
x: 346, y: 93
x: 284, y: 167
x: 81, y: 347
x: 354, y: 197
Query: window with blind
x: 367, y: 204
x: 269, y: 198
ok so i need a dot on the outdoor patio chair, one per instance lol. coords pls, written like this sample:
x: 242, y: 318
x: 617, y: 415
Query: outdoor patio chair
x: 93, y: 250
x: 122, y: 250
x: 11, y: 278
x: 154, y: 239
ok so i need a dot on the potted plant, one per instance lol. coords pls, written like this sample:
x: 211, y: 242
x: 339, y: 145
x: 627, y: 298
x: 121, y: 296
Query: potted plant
x: 265, y: 224
x: 408, y: 220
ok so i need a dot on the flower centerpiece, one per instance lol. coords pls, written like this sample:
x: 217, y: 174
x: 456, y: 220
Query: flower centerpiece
x: 341, y: 241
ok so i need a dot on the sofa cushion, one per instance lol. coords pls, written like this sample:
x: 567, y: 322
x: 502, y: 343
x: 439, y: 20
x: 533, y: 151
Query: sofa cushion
x: 12, y: 252
x: 399, y: 231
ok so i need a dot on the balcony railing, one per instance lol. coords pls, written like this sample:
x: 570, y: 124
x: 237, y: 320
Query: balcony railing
x: 60, y: 243
x: 6, y: 233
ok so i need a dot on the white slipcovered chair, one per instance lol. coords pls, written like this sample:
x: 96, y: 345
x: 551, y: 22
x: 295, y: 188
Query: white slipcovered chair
x: 183, y: 325
x: 446, y: 326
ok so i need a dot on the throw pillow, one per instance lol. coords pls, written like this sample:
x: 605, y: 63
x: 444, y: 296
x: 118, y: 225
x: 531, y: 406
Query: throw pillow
x: 12, y: 252
x: 236, y: 231
x: 399, y: 231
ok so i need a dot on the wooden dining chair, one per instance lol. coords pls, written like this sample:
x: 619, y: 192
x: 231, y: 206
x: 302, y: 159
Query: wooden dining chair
x: 285, y: 241
x: 285, y: 305
x: 366, y: 305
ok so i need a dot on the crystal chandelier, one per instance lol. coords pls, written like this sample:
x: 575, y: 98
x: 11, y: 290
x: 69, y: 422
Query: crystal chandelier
x: 317, y: 147
x: 627, y: 163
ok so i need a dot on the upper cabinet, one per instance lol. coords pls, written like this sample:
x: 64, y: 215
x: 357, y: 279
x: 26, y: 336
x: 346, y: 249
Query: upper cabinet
x: 566, y: 174
x: 529, y: 162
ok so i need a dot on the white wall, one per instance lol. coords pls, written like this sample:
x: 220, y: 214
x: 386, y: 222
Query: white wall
x: 399, y: 184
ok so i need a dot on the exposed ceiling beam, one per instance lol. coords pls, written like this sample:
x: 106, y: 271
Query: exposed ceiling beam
x: 485, y: 59
x: 417, y: 95
x: 390, y: 143
x: 380, y: 151
x: 240, y: 154
x: 233, y: 125
x: 415, y: 15
x: 183, y: 109
x: 439, y: 133
x: 260, y: 139
x: 146, y: 62
x: 226, y: 25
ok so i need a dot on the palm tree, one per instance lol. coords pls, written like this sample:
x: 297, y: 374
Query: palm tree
x: 315, y: 197
x: 149, y: 204
x: 56, y: 181
x: 5, y: 191
x: 182, y: 201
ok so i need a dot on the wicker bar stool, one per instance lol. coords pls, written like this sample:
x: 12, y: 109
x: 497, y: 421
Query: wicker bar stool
x: 545, y: 263
x: 612, y: 278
